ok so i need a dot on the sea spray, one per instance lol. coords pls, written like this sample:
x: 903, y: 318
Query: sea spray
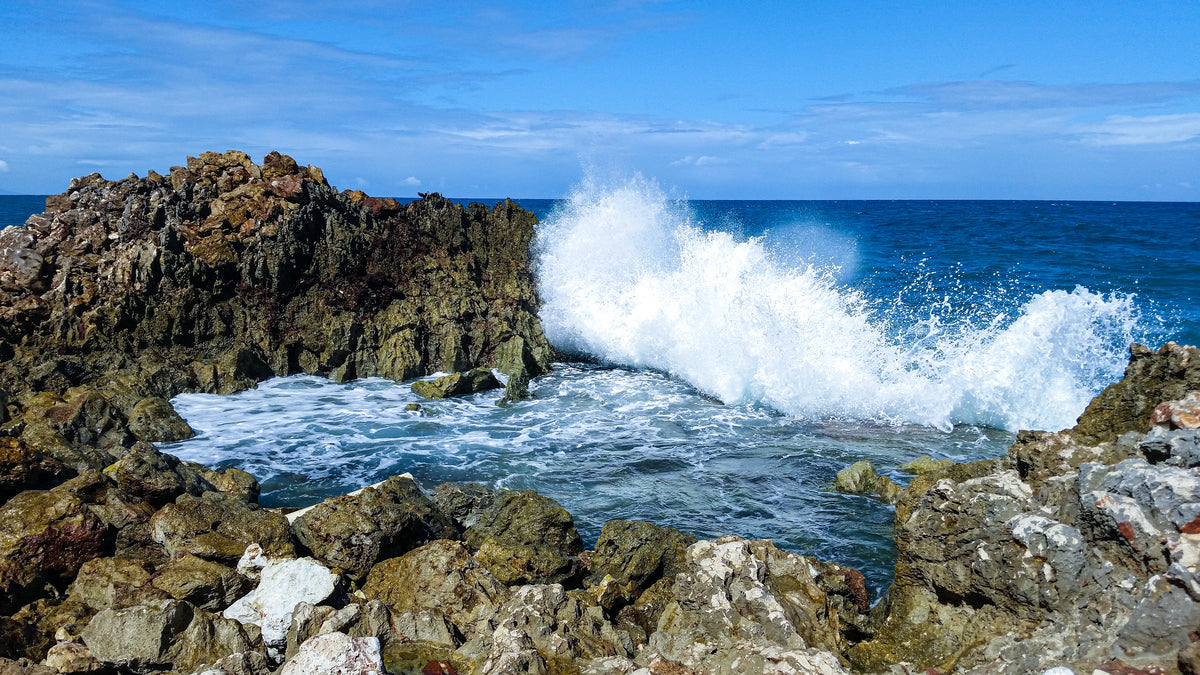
x: 629, y: 277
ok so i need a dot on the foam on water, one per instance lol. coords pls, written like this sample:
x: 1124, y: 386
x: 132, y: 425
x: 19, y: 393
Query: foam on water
x: 628, y: 277
x: 605, y: 442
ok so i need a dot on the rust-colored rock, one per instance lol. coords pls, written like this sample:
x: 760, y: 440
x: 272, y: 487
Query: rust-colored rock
x: 230, y: 272
x: 44, y: 538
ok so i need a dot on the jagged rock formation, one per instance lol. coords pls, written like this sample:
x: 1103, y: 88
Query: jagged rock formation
x: 227, y: 272
x: 1076, y: 548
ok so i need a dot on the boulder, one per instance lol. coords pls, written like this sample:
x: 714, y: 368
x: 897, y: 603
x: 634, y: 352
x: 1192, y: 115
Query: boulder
x: 219, y: 527
x: 442, y: 579
x: 153, y: 419
x: 164, y: 635
x: 744, y: 597
x: 138, y: 638
x: 72, y: 658
x: 145, y: 473
x: 241, y: 663
x: 284, y: 584
x: 104, y: 583
x: 543, y: 626
x: 50, y: 620
x: 232, y: 481
x: 526, y: 538
x: 45, y: 537
x: 457, y: 384
x: 463, y: 502
x: 353, y: 532
x: 203, y: 583
x: 1175, y: 447
x: 82, y: 417
x: 25, y: 468
x: 336, y: 653
x: 631, y: 555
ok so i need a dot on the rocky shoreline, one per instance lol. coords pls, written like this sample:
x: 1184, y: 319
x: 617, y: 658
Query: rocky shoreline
x: 1078, y: 549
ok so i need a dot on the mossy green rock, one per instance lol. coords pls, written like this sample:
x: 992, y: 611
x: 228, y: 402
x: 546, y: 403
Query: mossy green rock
x: 353, y: 532
x: 45, y: 537
x: 153, y: 419
x: 1150, y: 378
x: 105, y: 583
x: 203, y: 583
x: 147, y: 474
x: 526, y: 538
x: 227, y: 272
x: 860, y: 479
x: 441, y: 577
x: 633, y: 555
x: 857, y: 479
x: 25, y: 468
x: 925, y: 464
x: 457, y: 384
x: 464, y: 502
x: 219, y: 527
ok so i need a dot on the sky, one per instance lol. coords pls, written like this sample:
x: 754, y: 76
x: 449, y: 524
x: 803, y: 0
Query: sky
x: 713, y: 100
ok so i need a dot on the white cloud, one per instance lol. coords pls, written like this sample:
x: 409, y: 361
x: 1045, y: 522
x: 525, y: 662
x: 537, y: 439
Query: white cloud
x: 411, y: 181
x: 3, y: 165
x: 1148, y: 130
x: 702, y: 160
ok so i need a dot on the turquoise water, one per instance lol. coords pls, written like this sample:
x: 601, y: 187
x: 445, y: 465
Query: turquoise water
x: 729, y: 357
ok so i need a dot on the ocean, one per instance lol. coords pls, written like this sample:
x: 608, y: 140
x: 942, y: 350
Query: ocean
x: 724, y: 359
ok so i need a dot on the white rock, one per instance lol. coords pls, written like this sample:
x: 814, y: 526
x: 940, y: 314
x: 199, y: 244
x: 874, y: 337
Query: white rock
x: 252, y: 561
x: 336, y: 653
x: 284, y: 584
x: 1059, y: 670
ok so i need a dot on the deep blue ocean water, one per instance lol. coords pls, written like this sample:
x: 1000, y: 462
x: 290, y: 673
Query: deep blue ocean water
x: 728, y: 357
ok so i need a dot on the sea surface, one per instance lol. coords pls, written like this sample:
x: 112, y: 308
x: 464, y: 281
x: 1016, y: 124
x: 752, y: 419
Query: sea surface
x: 724, y: 359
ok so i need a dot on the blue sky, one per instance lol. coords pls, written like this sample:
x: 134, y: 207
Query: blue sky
x: 771, y: 100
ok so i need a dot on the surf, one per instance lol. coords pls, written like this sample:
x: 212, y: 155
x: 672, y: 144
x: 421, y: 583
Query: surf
x: 630, y: 277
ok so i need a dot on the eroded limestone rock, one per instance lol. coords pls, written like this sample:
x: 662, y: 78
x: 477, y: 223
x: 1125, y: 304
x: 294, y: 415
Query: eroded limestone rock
x: 283, y: 585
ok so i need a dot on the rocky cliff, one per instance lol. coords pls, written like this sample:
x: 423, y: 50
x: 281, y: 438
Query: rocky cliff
x: 226, y: 272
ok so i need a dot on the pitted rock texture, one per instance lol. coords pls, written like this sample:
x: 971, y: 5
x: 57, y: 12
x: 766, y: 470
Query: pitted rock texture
x: 227, y: 272
x: 353, y: 532
x: 1075, y: 548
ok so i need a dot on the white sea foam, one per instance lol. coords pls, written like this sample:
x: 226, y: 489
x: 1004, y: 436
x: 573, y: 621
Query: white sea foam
x: 628, y: 277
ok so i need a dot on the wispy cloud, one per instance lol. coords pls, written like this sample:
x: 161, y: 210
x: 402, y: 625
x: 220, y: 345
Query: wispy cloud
x: 701, y: 160
x: 1148, y: 130
x: 3, y: 165
x: 992, y: 94
x: 139, y: 90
